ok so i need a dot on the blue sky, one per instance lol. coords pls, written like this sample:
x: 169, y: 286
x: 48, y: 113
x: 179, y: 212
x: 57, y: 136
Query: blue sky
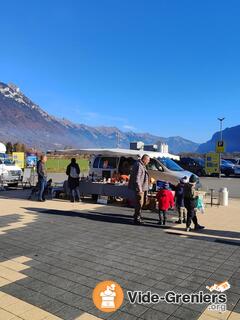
x: 168, y: 67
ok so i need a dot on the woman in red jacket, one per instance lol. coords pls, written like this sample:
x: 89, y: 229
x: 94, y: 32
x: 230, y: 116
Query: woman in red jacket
x: 165, y: 202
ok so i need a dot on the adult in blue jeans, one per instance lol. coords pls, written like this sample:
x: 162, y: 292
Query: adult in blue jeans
x: 42, y: 177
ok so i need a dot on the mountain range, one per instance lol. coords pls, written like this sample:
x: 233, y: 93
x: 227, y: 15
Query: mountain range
x: 21, y: 120
x: 231, y: 137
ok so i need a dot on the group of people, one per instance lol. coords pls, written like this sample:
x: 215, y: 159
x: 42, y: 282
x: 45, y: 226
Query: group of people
x: 185, y: 196
x: 185, y: 192
x: 73, y: 173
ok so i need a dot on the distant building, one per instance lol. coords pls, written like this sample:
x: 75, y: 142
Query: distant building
x: 160, y: 147
x: 163, y: 147
x: 139, y: 145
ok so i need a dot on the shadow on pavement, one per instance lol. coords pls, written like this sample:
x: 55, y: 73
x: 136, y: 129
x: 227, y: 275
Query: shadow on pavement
x: 219, y: 236
x: 100, y: 216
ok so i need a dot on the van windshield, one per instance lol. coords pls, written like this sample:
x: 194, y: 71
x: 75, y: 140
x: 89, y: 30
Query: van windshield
x: 170, y: 164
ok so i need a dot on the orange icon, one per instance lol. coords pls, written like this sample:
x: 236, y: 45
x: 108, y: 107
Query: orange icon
x: 108, y: 296
x: 220, y: 287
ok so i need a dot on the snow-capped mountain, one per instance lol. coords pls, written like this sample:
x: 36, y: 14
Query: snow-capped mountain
x: 24, y: 121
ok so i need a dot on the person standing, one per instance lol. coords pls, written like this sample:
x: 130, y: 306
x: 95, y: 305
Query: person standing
x: 73, y: 172
x: 139, y: 183
x: 165, y: 202
x: 42, y: 177
x: 180, y: 201
x: 190, y: 201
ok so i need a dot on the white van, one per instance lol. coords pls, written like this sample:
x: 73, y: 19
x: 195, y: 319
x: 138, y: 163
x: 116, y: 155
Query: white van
x: 10, y: 174
x: 107, y: 162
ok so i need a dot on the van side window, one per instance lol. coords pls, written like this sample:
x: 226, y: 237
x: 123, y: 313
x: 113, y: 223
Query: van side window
x: 154, y: 165
x: 96, y: 162
x: 108, y: 163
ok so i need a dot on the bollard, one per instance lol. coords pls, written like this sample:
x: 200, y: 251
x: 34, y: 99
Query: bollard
x: 223, y: 197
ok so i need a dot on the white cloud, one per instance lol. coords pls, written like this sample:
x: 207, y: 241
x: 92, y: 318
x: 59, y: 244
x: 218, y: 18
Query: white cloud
x: 99, y: 117
x: 128, y: 127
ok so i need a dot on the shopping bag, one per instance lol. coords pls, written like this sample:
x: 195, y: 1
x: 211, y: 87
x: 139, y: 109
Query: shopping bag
x: 200, y: 204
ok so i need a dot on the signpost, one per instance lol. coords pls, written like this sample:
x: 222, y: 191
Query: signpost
x: 220, y: 146
x: 212, y: 163
x: 19, y: 158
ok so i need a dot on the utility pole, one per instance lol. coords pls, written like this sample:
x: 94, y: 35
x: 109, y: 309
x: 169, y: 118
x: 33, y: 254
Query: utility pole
x: 118, y: 139
x: 221, y: 139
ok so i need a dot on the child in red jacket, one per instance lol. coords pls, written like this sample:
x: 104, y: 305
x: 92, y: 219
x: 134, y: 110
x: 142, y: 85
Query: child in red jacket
x: 165, y: 202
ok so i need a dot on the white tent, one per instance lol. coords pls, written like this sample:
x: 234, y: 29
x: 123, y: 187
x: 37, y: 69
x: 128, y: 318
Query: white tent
x: 2, y: 148
x: 122, y: 152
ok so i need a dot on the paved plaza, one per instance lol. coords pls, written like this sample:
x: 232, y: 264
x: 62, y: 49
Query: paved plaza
x: 53, y: 254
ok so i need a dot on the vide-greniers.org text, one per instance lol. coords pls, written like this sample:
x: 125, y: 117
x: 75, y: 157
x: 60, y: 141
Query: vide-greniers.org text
x: 200, y: 297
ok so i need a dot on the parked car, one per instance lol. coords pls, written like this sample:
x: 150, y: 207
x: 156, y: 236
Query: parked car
x: 237, y: 162
x: 195, y: 165
x: 237, y: 166
x: 9, y: 172
x: 227, y: 168
x: 234, y: 161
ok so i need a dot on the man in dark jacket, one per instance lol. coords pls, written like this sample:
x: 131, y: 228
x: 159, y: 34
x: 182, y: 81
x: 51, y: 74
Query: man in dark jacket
x: 190, y: 201
x: 180, y: 200
x: 42, y: 177
x: 73, y: 172
x: 139, y: 183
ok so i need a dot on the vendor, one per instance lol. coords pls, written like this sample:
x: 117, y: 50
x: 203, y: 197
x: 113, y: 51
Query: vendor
x: 125, y: 168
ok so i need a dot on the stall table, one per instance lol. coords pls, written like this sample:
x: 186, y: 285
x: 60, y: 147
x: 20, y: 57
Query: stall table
x: 105, y: 189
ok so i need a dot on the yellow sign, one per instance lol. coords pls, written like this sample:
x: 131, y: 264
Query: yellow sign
x: 220, y: 147
x: 108, y: 296
x: 19, y: 158
x: 212, y: 163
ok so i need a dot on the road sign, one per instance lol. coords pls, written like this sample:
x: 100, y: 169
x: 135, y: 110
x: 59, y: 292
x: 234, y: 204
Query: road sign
x: 19, y: 158
x: 220, y: 147
x: 212, y: 163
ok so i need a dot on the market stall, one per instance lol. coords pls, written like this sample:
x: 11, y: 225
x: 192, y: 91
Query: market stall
x: 105, y: 189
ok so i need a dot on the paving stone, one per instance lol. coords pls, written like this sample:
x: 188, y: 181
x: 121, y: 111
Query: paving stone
x: 232, y: 300
x: 237, y: 307
x: 145, y: 280
x: 164, y: 286
x: 165, y: 307
x: 152, y: 314
x: 196, y: 279
x: 172, y: 280
x: 69, y: 313
x: 186, y: 314
x: 77, y: 301
x: 52, y: 291
x: 122, y: 315
x: 52, y: 306
x: 188, y: 284
x: 134, y: 309
x: 82, y: 290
